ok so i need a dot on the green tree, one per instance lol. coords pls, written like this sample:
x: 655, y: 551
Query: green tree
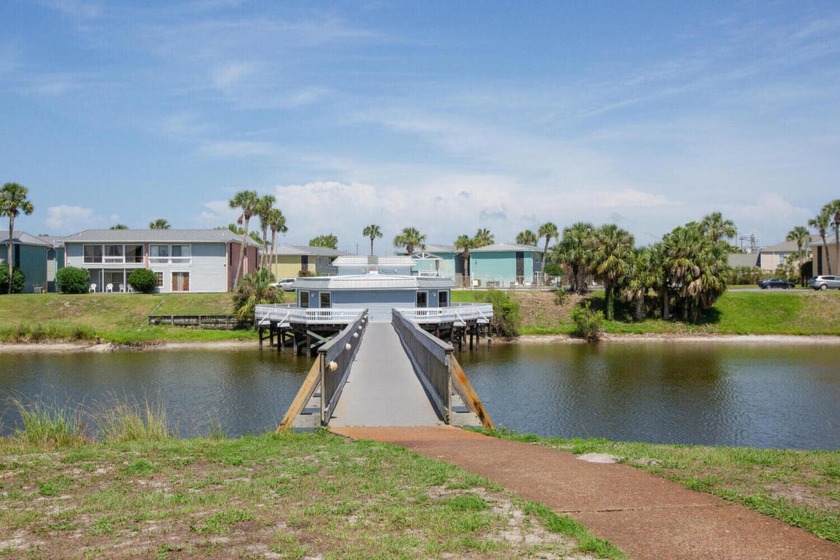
x: 464, y: 243
x: 18, y: 279
x: 526, y: 237
x: 612, y: 250
x: 328, y: 241
x: 263, y: 212
x: 256, y: 288
x: 72, y: 280
x: 833, y: 211
x: 246, y: 201
x: 549, y: 231
x: 801, y: 236
x: 373, y: 231
x: 716, y: 228
x: 276, y: 222
x: 821, y: 222
x: 13, y: 201
x: 642, y: 277
x: 160, y: 223
x: 482, y: 238
x: 119, y: 226
x: 574, y: 251
x: 410, y: 238
x: 143, y: 280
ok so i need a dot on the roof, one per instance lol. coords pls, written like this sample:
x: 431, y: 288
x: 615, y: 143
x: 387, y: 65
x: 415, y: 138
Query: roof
x: 356, y: 260
x: 430, y: 248
x: 374, y: 282
x: 506, y: 248
x: 23, y: 238
x: 786, y: 246
x: 740, y: 259
x: 295, y: 250
x: 157, y: 236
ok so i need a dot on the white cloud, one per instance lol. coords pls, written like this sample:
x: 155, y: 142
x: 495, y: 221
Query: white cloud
x: 67, y: 219
x: 231, y: 74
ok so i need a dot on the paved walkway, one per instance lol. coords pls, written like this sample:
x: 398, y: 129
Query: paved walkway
x: 383, y: 389
x: 647, y: 517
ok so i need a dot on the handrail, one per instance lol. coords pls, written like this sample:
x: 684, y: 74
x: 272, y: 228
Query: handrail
x: 305, y: 393
x: 461, y: 383
x: 307, y: 315
x: 462, y: 313
x: 335, y: 358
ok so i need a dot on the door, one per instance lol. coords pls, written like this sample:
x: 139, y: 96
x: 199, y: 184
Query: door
x: 520, y: 266
x: 422, y: 299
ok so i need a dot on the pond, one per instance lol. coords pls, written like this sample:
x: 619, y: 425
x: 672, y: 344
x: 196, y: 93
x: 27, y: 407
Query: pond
x: 662, y: 392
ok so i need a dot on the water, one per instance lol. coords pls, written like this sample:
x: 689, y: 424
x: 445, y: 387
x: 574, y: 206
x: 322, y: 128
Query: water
x: 709, y: 393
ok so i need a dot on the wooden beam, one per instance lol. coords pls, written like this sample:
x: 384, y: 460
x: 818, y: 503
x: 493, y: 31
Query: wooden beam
x: 313, y: 379
x: 465, y: 389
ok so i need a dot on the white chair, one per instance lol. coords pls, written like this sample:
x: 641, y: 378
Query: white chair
x: 92, y: 288
x: 109, y: 288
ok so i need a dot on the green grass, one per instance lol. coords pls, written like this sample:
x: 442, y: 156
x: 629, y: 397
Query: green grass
x: 293, y: 495
x: 801, y: 488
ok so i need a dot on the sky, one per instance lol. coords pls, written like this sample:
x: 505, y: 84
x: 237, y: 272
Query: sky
x: 446, y: 116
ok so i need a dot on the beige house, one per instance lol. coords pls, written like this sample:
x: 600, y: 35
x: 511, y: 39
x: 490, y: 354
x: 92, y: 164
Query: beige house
x: 771, y: 258
x: 291, y: 261
x: 821, y: 259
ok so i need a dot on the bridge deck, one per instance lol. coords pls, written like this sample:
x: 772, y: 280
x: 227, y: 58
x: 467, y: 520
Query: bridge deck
x: 382, y: 388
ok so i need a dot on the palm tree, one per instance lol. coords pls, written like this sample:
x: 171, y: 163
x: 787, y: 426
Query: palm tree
x: 119, y: 226
x: 247, y: 202
x: 464, y: 243
x: 12, y: 202
x: 276, y: 222
x: 833, y: 211
x: 526, y: 237
x: 483, y: 238
x: 821, y: 223
x: 642, y: 277
x: 410, y: 238
x: 573, y: 250
x: 717, y: 228
x: 373, y: 231
x: 160, y: 223
x: 262, y: 211
x: 801, y: 236
x: 612, y: 250
x: 549, y: 231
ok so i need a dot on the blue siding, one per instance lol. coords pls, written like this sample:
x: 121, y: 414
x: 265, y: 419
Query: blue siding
x: 501, y: 267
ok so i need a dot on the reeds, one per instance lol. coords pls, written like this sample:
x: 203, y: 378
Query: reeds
x: 121, y: 420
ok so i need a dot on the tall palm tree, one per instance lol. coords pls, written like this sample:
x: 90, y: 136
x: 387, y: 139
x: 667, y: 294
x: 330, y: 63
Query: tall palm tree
x: 549, y: 231
x: 801, y: 236
x: 262, y: 210
x: 12, y: 202
x: 717, y: 228
x: 373, y: 231
x: 612, y: 250
x: 642, y: 277
x: 483, y: 238
x: 160, y: 223
x: 276, y: 222
x: 833, y: 211
x: 821, y: 223
x: 526, y: 237
x: 573, y: 250
x: 410, y: 238
x: 247, y: 202
x: 464, y: 243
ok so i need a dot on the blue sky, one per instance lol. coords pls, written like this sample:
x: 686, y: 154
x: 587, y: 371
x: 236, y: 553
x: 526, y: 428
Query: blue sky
x: 445, y: 116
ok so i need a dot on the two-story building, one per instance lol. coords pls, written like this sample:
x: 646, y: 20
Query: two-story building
x: 33, y: 256
x: 290, y: 261
x: 184, y: 260
x: 502, y: 265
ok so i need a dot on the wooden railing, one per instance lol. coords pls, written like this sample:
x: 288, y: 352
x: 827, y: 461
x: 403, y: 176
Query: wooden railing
x: 436, y: 362
x: 335, y: 358
x: 480, y: 312
x: 284, y: 313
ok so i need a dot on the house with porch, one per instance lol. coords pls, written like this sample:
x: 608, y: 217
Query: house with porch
x: 503, y: 265
x: 35, y: 257
x: 184, y: 260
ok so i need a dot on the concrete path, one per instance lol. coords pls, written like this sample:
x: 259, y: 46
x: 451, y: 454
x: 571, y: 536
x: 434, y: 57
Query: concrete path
x: 647, y: 517
x: 382, y: 389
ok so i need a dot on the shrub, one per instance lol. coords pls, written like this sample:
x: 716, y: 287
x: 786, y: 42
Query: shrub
x: 72, y: 280
x: 506, y: 316
x: 143, y: 280
x: 589, y: 324
x: 253, y: 289
x: 17, y: 279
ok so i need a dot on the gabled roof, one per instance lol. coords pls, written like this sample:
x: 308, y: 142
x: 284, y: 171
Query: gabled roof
x: 506, y: 248
x: 301, y: 250
x: 786, y: 246
x: 157, y: 236
x: 23, y: 238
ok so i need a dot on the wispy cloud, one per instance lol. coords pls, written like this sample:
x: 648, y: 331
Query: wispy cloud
x: 238, y: 149
x: 77, y: 9
x: 66, y: 218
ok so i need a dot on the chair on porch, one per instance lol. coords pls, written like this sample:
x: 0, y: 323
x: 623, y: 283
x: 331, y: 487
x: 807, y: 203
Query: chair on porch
x: 109, y: 288
x: 92, y: 288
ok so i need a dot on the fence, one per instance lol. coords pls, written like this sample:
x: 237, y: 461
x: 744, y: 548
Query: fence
x: 225, y: 322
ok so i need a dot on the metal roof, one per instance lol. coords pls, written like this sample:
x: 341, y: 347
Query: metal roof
x: 356, y: 260
x: 507, y: 247
x: 157, y: 236
x: 787, y: 246
x: 373, y: 282
x: 23, y: 238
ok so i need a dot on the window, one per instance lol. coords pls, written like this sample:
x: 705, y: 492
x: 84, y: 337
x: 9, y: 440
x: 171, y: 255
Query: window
x: 165, y: 254
x: 422, y: 299
x: 133, y: 253
x: 325, y: 300
x: 93, y: 253
x: 443, y: 299
x: 159, y: 276
x: 113, y: 253
x: 304, y: 263
x: 180, y: 281
x: 304, y: 299
x: 181, y: 253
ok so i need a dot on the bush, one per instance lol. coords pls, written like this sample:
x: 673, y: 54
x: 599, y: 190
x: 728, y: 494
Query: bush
x: 72, y: 280
x: 506, y: 316
x: 143, y: 280
x: 589, y: 324
x: 254, y: 289
x: 17, y: 279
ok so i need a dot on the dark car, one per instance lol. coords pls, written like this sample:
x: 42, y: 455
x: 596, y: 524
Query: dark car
x: 825, y: 282
x: 775, y: 283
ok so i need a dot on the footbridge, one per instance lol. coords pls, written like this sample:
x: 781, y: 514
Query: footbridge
x: 386, y: 374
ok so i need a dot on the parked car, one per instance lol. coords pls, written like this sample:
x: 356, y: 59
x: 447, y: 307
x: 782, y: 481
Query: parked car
x: 775, y: 283
x: 285, y: 284
x: 824, y: 282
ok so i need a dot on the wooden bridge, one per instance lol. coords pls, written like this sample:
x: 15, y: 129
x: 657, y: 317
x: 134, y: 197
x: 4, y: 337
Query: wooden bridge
x: 385, y: 374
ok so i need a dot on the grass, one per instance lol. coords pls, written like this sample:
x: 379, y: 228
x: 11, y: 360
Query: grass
x: 289, y: 495
x: 801, y: 488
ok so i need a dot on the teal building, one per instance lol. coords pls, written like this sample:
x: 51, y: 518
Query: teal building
x: 32, y: 256
x: 504, y: 265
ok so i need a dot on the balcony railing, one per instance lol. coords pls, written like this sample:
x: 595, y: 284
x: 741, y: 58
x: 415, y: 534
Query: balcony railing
x: 479, y: 312
x: 285, y: 314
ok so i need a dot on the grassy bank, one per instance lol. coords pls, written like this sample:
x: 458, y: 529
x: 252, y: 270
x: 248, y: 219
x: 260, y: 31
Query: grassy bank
x: 801, y: 488
x: 117, y: 318
x: 796, y: 312
x: 285, y: 496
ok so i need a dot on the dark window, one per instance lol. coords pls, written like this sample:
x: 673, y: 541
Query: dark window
x: 443, y: 299
x: 422, y: 299
x: 304, y: 299
x: 304, y: 263
x: 520, y: 266
x: 325, y: 300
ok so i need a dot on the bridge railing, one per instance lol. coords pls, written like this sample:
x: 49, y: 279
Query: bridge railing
x: 480, y: 312
x: 335, y: 358
x: 284, y: 313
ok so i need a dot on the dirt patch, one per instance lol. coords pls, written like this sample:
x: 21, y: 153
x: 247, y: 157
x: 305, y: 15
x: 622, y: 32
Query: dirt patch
x: 541, y: 309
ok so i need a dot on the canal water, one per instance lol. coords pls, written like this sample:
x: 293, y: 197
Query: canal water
x: 661, y: 392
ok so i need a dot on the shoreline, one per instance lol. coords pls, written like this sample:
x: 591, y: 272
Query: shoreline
x: 652, y: 338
